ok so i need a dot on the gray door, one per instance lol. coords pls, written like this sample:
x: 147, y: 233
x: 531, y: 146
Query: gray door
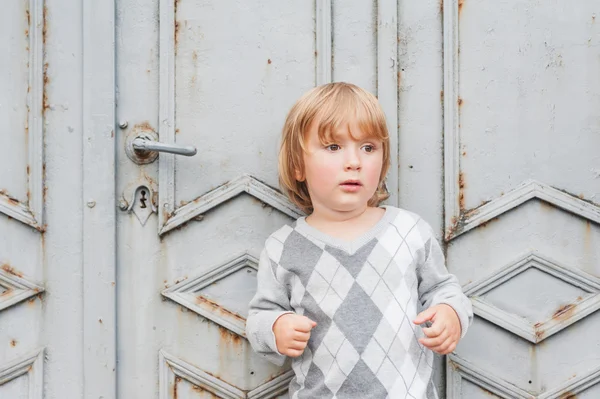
x: 120, y: 267
x: 521, y: 139
x: 219, y: 76
x: 40, y: 204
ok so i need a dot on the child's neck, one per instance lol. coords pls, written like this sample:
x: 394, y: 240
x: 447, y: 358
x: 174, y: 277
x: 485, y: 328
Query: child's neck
x: 345, y: 226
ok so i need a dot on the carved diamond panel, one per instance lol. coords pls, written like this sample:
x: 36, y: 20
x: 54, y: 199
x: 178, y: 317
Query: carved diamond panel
x: 535, y: 297
x: 14, y: 288
x: 172, y: 370
x: 31, y: 366
x: 459, y: 369
x: 222, y: 293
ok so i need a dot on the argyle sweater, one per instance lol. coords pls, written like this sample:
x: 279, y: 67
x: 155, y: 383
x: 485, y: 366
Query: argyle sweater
x: 364, y: 296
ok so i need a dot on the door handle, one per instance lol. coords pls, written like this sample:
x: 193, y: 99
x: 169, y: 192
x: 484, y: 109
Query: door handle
x: 147, y: 144
x: 143, y: 147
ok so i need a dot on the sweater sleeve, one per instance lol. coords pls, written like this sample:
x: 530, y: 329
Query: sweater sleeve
x: 436, y: 285
x: 269, y: 303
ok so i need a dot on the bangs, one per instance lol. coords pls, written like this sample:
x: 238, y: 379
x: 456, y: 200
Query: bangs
x: 358, y: 112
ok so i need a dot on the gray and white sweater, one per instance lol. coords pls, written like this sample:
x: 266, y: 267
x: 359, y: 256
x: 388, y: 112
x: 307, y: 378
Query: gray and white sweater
x: 364, y: 296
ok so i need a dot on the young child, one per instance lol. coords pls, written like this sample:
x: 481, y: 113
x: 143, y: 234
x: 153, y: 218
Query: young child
x: 340, y: 291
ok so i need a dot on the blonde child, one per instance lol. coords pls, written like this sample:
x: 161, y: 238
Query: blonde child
x: 345, y: 290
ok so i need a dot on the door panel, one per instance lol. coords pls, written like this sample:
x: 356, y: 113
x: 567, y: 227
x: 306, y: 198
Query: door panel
x: 521, y: 195
x: 186, y: 275
x: 40, y: 200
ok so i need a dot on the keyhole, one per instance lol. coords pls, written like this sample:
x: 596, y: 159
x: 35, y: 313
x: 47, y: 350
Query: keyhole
x: 143, y: 199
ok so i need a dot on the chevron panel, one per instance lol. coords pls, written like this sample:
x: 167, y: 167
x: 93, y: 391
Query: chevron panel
x: 14, y: 288
x: 172, y: 370
x: 220, y: 294
x: 30, y: 365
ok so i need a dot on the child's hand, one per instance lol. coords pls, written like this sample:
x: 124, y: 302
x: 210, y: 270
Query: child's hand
x: 444, y: 333
x: 292, y: 332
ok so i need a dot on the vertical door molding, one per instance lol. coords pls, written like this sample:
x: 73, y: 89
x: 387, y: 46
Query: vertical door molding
x: 99, y: 210
x: 451, y: 117
x: 387, y: 84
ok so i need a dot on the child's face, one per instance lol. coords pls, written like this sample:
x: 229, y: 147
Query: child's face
x: 342, y: 175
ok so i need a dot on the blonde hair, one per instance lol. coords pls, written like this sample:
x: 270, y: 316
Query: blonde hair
x: 332, y: 106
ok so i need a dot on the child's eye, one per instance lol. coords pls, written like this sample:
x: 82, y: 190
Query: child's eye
x: 333, y: 147
x: 369, y: 148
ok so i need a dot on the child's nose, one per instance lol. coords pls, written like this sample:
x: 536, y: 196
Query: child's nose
x: 352, y: 160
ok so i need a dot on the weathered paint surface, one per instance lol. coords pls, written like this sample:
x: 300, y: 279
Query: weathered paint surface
x: 492, y: 109
x: 520, y: 101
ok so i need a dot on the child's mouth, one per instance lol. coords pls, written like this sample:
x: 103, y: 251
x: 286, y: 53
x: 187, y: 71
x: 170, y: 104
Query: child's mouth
x: 351, y: 185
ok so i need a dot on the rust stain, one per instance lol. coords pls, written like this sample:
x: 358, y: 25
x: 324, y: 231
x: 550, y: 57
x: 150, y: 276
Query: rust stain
x: 460, y: 6
x: 229, y: 337
x: 100, y: 321
x: 177, y: 381
x: 204, y: 392
x: 219, y: 378
x: 484, y: 225
x: 10, y: 270
x: 564, y: 311
x: 269, y: 61
x: 176, y: 35
x: 461, y: 194
x: 10, y: 199
x: 176, y: 3
x: 13, y: 343
x: 28, y: 17
x: 7, y: 292
x: 177, y: 131
x: 46, y: 104
x: 45, y: 27
x: 442, y: 6
x: 442, y: 96
x: 145, y: 125
x: 568, y: 395
x: 216, y: 308
x: 487, y: 392
x: 459, y: 101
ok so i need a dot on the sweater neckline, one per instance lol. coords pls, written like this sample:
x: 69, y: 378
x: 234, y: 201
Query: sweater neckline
x: 348, y: 246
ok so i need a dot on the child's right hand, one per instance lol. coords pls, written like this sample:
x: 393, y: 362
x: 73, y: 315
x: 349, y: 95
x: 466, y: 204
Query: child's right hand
x: 292, y: 332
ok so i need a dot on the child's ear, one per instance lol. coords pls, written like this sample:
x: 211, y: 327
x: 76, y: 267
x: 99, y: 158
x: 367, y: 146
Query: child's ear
x: 299, y: 175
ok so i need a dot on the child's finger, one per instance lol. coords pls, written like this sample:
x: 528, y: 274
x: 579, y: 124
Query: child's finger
x: 297, y: 345
x: 301, y: 336
x: 435, y: 330
x: 433, y: 342
x: 444, y: 347
x: 424, y: 316
x: 304, y: 324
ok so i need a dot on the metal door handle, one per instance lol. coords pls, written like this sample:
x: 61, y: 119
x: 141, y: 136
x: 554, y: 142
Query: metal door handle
x: 143, y: 144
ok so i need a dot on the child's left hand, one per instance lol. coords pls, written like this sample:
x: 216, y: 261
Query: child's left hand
x: 444, y: 333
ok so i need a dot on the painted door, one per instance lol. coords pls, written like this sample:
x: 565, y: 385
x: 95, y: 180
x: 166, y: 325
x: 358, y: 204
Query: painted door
x: 219, y: 76
x: 125, y: 275
x: 521, y: 133
x: 40, y: 203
